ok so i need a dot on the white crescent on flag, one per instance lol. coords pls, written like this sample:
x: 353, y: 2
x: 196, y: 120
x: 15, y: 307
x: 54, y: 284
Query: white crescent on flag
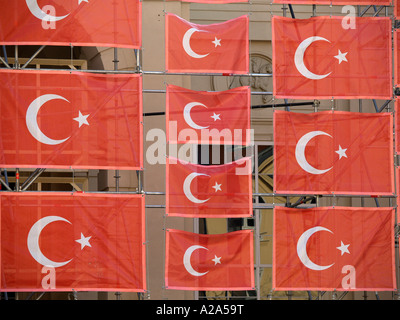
x: 301, y: 148
x: 188, y: 266
x: 31, y: 119
x: 188, y: 117
x: 300, y: 152
x: 299, y: 58
x: 34, y: 8
x: 186, y: 187
x: 33, y: 242
x: 32, y: 123
x: 186, y: 44
x: 302, y: 249
x: 40, y: 14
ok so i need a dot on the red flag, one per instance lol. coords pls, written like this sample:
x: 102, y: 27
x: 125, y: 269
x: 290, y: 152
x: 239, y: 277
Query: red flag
x: 210, y: 117
x: 398, y: 192
x: 218, y: 48
x: 71, y: 22
x: 217, y: 191
x: 70, y: 120
x: 344, y: 249
x: 209, y: 262
x: 80, y: 241
x: 333, y: 152
x: 336, y: 2
x: 317, y: 58
x: 397, y: 126
x: 397, y: 183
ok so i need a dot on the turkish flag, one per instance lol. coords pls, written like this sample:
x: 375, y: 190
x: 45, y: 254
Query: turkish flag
x: 209, y: 262
x: 396, y: 10
x: 336, y: 2
x: 341, y: 248
x: 217, y: 191
x: 208, y: 117
x: 71, y: 22
x: 217, y: 48
x: 397, y: 126
x: 333, y: 152
x: 398, y: 191
x: 320, y: 59
x: 58, y: 119
x: 80, y: 241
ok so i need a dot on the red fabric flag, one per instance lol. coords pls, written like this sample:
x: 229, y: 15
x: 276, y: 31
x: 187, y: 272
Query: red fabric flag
x: 317, y: 58
x: 333, y: 152
x: 217, y: 48
x: 71, y: 22
x: 70, y: 120
x: 336, y: 2
x: 396, y: 41
x: 398, y: 192
x: 64, y: 242
x: 217, y: 191
x: 397, y: 126
x: 209, y: 262
x: 344, y: 249
x: 208, y: 117
x: 396, y: 9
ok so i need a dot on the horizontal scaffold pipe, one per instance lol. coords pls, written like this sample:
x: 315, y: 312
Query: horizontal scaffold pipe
x: 151, y: 193
x: 143, y: 72
x: 208, y: 74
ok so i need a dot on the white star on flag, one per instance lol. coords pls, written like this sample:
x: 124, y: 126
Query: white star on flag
x: 341, y: 57
x: 217, y: 42
x: 217, y: 186
x: 216, y: 117
x: 343, y: 248
x: 216, y: 260
x: 84, y: 241
x: 82, y: 119
x: 341, y: 152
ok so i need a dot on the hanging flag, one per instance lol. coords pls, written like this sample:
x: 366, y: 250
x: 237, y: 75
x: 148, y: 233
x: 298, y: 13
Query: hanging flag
x: 396, y: 10
x: 341, y: 248
x: 216, y: 48
x: 72, y: 22
x: 217, y: 191
x: 333, y: 152
x: 209, y: 262
x: 80, y: 241
x: 396, y: 42
x: 208, y: 117
x: 59, y: 119
x: 337, y: 2
x: 320, y: 59
x: 398, y: 192
x: 397, y: 126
